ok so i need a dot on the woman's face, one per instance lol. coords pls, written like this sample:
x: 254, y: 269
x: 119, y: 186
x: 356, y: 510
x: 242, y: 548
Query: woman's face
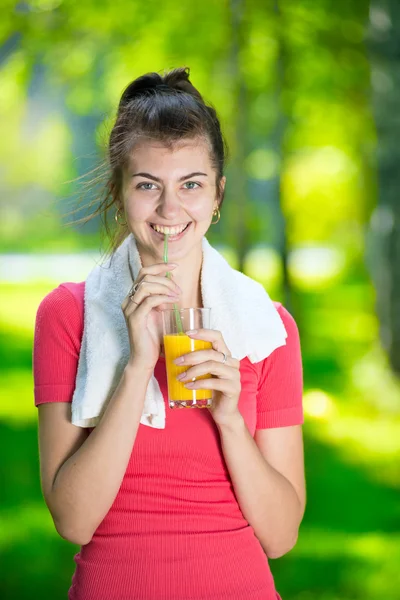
x: 172, y: 188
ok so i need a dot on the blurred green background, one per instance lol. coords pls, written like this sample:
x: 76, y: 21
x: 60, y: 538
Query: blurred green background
x: 307, y: 92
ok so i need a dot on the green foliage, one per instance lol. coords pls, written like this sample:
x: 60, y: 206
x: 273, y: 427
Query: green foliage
x: 62, y: 83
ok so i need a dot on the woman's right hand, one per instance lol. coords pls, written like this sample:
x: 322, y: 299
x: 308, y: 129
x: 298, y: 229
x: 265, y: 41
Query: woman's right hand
x: 141, y: 314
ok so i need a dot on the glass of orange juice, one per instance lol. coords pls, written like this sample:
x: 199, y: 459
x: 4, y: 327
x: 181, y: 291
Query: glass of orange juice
x: 176, y: 343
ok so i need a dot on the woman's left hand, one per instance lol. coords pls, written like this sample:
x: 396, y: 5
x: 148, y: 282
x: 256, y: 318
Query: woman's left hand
x: 225, y: 384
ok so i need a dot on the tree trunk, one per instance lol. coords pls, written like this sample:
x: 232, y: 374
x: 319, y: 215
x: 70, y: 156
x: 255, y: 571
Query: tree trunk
x: 384, y: 235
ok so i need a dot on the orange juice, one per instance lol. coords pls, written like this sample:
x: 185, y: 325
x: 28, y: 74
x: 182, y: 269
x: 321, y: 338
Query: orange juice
x: 176, y: 345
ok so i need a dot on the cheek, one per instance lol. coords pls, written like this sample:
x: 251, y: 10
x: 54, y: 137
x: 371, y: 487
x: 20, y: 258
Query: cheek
x: 200, y: 209
x: 137, y: 211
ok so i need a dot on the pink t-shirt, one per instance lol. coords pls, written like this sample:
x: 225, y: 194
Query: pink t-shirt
x: 175, y: 530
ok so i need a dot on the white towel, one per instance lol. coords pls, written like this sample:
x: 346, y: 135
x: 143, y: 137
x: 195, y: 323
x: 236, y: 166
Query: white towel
x: 240, y: 308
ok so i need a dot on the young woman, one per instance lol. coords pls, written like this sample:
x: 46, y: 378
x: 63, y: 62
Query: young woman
x: 195, y: 510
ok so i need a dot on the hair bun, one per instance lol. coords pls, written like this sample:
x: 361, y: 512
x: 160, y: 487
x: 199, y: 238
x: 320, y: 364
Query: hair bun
x: 139, y: 86
x: 176, y: 80
x: 179, y: 80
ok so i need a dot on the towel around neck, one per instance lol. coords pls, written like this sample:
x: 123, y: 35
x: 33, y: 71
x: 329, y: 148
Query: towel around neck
x: 240, y: 308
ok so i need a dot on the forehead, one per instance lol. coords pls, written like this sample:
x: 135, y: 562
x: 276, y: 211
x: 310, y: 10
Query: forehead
x: 184, y: 154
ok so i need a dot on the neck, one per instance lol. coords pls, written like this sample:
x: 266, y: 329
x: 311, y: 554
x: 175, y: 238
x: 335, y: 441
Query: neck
x: 187, y: 276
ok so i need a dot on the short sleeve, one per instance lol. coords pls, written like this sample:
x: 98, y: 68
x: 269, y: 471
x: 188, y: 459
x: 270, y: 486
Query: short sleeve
x: 280, y: 386
x: 56, y: 346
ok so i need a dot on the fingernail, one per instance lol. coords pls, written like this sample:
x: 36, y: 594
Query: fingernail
x: 191, y: 332
x: 179, y: 360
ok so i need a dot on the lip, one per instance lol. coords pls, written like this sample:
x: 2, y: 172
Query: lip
x: 171, y: 238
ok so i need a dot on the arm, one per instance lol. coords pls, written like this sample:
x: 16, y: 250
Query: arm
x: 271, y: 496
x: 81, y: 474
x: 267, y: 472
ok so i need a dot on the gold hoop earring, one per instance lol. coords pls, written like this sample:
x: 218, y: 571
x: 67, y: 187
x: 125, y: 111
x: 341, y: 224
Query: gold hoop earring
x: 216, y: 212
x: 117, y: 214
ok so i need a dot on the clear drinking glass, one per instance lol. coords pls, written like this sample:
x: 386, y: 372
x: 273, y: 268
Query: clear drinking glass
x: 176, y: 343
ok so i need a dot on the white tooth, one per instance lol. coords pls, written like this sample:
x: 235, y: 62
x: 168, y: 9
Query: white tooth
x: 170, y: 230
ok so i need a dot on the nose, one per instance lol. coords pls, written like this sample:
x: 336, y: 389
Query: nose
x: 169, y: 207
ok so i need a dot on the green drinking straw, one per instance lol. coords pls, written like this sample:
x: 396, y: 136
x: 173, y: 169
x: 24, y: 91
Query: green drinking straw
x: 176, y: 309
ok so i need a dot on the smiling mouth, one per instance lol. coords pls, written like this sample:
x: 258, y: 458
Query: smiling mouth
x: 171, y: 226
x: 171, y: 237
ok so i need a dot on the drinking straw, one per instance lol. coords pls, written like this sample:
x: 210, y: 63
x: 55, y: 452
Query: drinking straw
x: 168, y: 274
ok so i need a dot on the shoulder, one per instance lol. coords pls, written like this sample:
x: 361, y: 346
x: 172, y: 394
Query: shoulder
x: 77, y: 290
x: 288, y: 355
x: 57, y: 342
x: 66, y: 294
x: 280, y: 387
x: 63, y: 304
x: 287, y: 319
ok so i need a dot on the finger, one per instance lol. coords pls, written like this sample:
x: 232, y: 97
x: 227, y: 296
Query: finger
x: 167, y: 287
x: 157, y: 268
x: 210, y: 335
x: 152, y: 289
x: 200, y: 356
x: 150, y: 302
x: 220, y: 385
x: 164, y: 281
x: 210, y: 367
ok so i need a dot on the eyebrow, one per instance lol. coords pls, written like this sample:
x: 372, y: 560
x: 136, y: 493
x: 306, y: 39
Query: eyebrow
x: 149, y: 176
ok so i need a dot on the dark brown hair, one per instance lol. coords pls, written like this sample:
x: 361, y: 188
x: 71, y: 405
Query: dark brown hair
x: 164, y: 108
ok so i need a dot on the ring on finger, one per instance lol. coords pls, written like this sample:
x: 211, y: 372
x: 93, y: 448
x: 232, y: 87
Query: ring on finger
x: 225, y: 357
x: 132, y: 300
x: 134, y: 289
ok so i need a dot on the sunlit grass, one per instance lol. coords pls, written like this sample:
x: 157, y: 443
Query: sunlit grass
x: 18, y: 523
x: 360, y: 435
x: 18, y: 306
x: 17, y: 401
x: 373, y: 559
x: 370, y: 442
x: 371, y: 545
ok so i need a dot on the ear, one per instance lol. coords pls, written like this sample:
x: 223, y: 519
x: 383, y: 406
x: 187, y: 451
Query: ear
x: 222, y: 188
